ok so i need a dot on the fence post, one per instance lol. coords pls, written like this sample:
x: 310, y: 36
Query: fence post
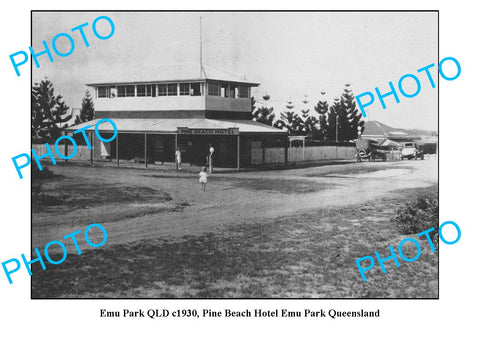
x: 93, y: 146
x: 65, y: 147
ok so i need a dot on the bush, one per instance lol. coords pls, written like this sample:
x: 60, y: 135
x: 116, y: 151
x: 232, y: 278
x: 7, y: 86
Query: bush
x: 419, y: 215
x: 44, y: 174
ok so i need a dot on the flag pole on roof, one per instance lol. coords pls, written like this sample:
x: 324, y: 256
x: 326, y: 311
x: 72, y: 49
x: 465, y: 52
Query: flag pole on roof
x: 202, y: 70
x: 201, y: 66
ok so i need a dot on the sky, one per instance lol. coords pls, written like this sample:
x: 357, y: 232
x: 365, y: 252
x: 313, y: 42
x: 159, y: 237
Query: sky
x: 292, y: 54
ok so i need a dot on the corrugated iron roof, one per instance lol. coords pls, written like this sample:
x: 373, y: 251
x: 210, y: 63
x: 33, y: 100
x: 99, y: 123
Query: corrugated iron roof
x: 156, y: 125
x: 168, y: 73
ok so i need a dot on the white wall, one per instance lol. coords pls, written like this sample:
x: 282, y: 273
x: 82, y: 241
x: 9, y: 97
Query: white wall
x: 162, y: 103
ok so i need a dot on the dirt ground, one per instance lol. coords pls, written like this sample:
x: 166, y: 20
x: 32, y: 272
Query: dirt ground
x: 270, y: 218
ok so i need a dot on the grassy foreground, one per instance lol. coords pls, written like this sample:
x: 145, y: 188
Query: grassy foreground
x: 304, y: 255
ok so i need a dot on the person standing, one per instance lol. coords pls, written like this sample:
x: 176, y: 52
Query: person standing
x: 211, y: 150
x: 203, y: 178
x: 178, y: 159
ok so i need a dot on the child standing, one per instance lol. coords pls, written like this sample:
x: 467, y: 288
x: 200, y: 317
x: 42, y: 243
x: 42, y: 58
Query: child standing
x: 178, y: 159
x: 203, y: 178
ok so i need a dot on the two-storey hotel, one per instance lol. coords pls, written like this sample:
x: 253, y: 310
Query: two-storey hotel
x: 187, y: 106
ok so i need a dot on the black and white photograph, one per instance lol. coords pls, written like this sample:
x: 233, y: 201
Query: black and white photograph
x: 235, y: 155
x: 239, y: 170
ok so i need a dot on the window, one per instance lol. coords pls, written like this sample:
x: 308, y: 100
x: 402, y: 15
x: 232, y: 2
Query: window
x: 171, y: 89
x: 244, y: 92
x: 113, y: 91
x: 162, y: 90
x: 126, y: 91
x: 121, y: 91
x: 224, y: 90
x: 184, y: 89
x: 141, y: 90
x: 131, y: 91
x: 233, y: 91
x: 145, y: 90
x: 102, y: 92
x: 213, y: 89
x: 195, y: 89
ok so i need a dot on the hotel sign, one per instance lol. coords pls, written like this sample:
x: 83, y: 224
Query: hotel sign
x: 216, y: 132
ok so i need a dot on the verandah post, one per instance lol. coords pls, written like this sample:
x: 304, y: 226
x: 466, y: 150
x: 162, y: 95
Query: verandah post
x: 145, y: 150
x: 238, y: 152
x: 118, y: 158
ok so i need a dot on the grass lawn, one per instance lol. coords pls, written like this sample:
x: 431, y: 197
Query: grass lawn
x: 310, y: 254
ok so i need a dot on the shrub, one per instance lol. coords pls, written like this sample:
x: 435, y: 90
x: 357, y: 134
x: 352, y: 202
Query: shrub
x: 44, y: 174
x: 419, y: 215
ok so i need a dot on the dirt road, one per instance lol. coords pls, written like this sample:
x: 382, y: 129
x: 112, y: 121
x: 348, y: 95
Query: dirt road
x: 230, y: 199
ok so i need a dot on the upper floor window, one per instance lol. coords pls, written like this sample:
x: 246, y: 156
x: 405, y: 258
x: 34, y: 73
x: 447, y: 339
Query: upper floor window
x: 162, y: 89
x: 106, y: 92
x: 171, y: 89
x: 233, y: 91
x: 103, y: 92
x: 195, y: 89
x: 213, y: 89
x: 184, y: 89
x: 146, y: 90
x: 243, y: 92
x: 126, y: 91
x: 224, y: 90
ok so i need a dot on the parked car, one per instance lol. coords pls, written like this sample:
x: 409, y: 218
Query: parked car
x: 369, y: 150
x: 411, y: 150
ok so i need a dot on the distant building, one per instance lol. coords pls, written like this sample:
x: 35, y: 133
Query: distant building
x: 388, y: 136
x: 187, y: 106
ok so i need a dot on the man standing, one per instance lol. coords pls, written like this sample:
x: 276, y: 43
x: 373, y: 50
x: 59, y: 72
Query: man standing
x: 210, y: 158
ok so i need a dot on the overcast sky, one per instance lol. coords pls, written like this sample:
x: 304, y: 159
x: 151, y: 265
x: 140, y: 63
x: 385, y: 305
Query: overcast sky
x: 290, y: 54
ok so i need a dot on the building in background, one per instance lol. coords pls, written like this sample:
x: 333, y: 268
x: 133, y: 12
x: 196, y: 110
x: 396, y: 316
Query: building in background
x: 394, y: 137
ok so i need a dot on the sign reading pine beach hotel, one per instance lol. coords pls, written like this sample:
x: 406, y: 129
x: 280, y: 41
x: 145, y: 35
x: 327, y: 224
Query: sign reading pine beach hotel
x: 188, y: 106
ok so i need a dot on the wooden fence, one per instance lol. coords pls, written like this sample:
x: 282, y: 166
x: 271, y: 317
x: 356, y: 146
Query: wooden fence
x: 83, y: 153
x: 299, y: 154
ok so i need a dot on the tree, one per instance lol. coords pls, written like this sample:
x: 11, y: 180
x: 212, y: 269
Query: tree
x: 252, y: 103
x: 87, y: 110
x: 310, y: 122
x: 291, y: 121
x: 352, y: 125
x: 264, y: 114
x: 49, y: 112
x: 322, y: 109
x: 332, y: 120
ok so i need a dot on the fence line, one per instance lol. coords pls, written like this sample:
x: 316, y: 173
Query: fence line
x: 299, y: 154
x: 83, y: 153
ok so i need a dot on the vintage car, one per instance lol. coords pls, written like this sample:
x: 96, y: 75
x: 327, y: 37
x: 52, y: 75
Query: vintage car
x: 411, y: 150
x: 370, y: 150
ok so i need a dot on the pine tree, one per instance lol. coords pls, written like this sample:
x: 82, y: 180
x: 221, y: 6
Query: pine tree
x: 48, y: 112
x: 252, y: 103
x: 291, y: 121
x: 309, y: 120
x: 322, y: 109
x: 264, y: 114
x: 332, y: 120
x: 87, y: 110
x: 342, y: 121
x: 353, y: 125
